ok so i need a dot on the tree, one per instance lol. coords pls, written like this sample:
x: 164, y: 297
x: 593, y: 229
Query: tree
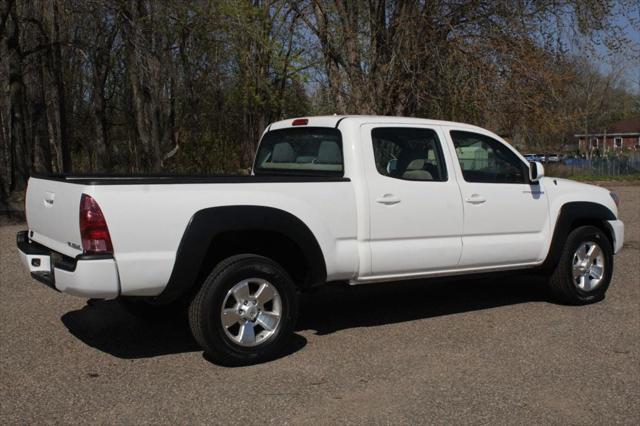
x: 129, y: 86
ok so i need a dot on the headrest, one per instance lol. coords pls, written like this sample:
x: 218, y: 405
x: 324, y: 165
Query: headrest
x: 329, y: 153
x: 417, y: 175
x: 417, y: 164
x: 283, y: 153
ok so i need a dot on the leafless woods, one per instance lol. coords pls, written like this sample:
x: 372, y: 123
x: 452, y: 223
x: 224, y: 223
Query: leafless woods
x: 147, y: 86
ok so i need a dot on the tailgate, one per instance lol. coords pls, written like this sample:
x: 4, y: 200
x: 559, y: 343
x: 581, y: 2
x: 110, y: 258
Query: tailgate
x: 53, y: 214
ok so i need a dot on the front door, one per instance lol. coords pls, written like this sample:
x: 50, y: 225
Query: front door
x: 505, y: 216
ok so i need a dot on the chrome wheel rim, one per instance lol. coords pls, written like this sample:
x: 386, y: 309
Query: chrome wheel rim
x: 588, y: 266
x: 251, y: 312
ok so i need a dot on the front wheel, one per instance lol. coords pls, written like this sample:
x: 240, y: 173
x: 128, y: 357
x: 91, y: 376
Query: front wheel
x: 584, y: 271
x: 245, y: 311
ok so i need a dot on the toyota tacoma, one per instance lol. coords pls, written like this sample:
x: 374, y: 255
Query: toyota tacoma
x: 355, y: 199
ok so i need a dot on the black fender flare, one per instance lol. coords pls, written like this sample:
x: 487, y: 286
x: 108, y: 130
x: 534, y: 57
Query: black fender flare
x: 569, y: 214
x: 208, y: 223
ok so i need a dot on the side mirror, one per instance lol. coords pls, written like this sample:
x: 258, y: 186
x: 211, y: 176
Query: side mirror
x: 536, y: 171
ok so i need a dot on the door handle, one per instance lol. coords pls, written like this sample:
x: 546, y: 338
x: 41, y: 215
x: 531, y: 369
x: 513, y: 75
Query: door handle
x: 49, y: 198
x: 475, y: 199
x: 388, y: 200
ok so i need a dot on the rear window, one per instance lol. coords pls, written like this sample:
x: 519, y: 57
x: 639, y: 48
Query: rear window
x: 305, y: 150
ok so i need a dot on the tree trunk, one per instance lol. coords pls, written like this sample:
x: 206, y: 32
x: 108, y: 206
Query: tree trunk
x: 101, y: 67
x: 5, y: 106
x: 100, y: 154
x: 331, y: 60
x: 144, y: 76
x: 56, y: 53
x: 19, y: 151
x: 54, y: 91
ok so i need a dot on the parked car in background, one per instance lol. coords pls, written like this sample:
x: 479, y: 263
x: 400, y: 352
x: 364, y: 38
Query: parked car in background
x: 553, y: 158
x: 542, y: 158
x: 352, y: 199
x: 531, y: 157
x: 575, y: 160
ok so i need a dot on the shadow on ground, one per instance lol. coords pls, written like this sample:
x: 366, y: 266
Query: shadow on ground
x: 335, y: 308
x: 106, y: 326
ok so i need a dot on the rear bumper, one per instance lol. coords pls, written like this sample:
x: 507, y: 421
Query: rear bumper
x: 617, y: 229
x: 85, y: 276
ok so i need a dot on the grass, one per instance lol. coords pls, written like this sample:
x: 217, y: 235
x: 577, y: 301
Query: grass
x: 631, y: 179
x: 563, y: 171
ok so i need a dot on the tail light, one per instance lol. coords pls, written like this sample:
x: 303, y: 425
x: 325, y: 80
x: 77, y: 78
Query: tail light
x: 93, y: 228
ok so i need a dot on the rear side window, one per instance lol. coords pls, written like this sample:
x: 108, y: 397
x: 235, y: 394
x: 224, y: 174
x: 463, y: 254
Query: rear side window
x: 408, y: 154
x: 301, y: 151
x: 486, y: 160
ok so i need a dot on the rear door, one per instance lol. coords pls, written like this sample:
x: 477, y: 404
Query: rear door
x: 414, y: 201
x: 53, y: 214
x: 505, y: 216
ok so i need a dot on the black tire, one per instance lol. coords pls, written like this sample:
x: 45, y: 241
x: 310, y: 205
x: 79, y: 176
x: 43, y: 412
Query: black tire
x: 145, y: 308
x: 561, y: 281
x: 205, y: 310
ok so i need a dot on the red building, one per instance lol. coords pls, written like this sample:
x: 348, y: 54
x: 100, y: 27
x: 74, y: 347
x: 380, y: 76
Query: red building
x: 624, y: 134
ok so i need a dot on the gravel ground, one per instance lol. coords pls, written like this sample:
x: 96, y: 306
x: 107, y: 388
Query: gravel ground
x: 464, y: 352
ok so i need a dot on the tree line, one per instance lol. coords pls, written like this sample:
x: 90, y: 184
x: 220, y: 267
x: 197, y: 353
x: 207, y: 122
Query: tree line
x: 132, y: 86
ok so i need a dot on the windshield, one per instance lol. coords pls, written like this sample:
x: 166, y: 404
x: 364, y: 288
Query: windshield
x: 304, y: 150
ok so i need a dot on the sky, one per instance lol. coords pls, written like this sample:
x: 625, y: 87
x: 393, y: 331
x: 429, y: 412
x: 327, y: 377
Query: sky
x: 630, y: 58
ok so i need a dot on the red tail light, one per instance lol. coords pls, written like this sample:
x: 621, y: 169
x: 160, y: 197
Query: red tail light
x: 93, y: 228
x: 300, y: 122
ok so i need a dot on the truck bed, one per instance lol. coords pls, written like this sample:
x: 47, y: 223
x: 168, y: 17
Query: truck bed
x: 147, y: 216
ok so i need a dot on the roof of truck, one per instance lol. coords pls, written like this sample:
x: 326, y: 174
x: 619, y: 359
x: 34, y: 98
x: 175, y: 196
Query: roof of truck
x: 335, y: 120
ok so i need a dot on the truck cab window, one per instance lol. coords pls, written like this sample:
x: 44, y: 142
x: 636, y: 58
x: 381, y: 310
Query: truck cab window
x: 408, y: 154
x: 486, y: 160
x: 300, y: 151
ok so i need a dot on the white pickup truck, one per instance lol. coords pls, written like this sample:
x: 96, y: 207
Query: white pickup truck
x: 356, y: 199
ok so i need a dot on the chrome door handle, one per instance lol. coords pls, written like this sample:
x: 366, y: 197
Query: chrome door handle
x: 475, y: 199
x: 49, y: 198
x: 388, y: 200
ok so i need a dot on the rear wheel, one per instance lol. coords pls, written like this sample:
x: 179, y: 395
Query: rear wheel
x: 584, y: 271
x: 245, y: 311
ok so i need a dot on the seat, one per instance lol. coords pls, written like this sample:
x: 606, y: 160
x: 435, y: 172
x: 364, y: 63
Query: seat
x: 329, y: 153
x: 415, y: 171
x: 283, y: 153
